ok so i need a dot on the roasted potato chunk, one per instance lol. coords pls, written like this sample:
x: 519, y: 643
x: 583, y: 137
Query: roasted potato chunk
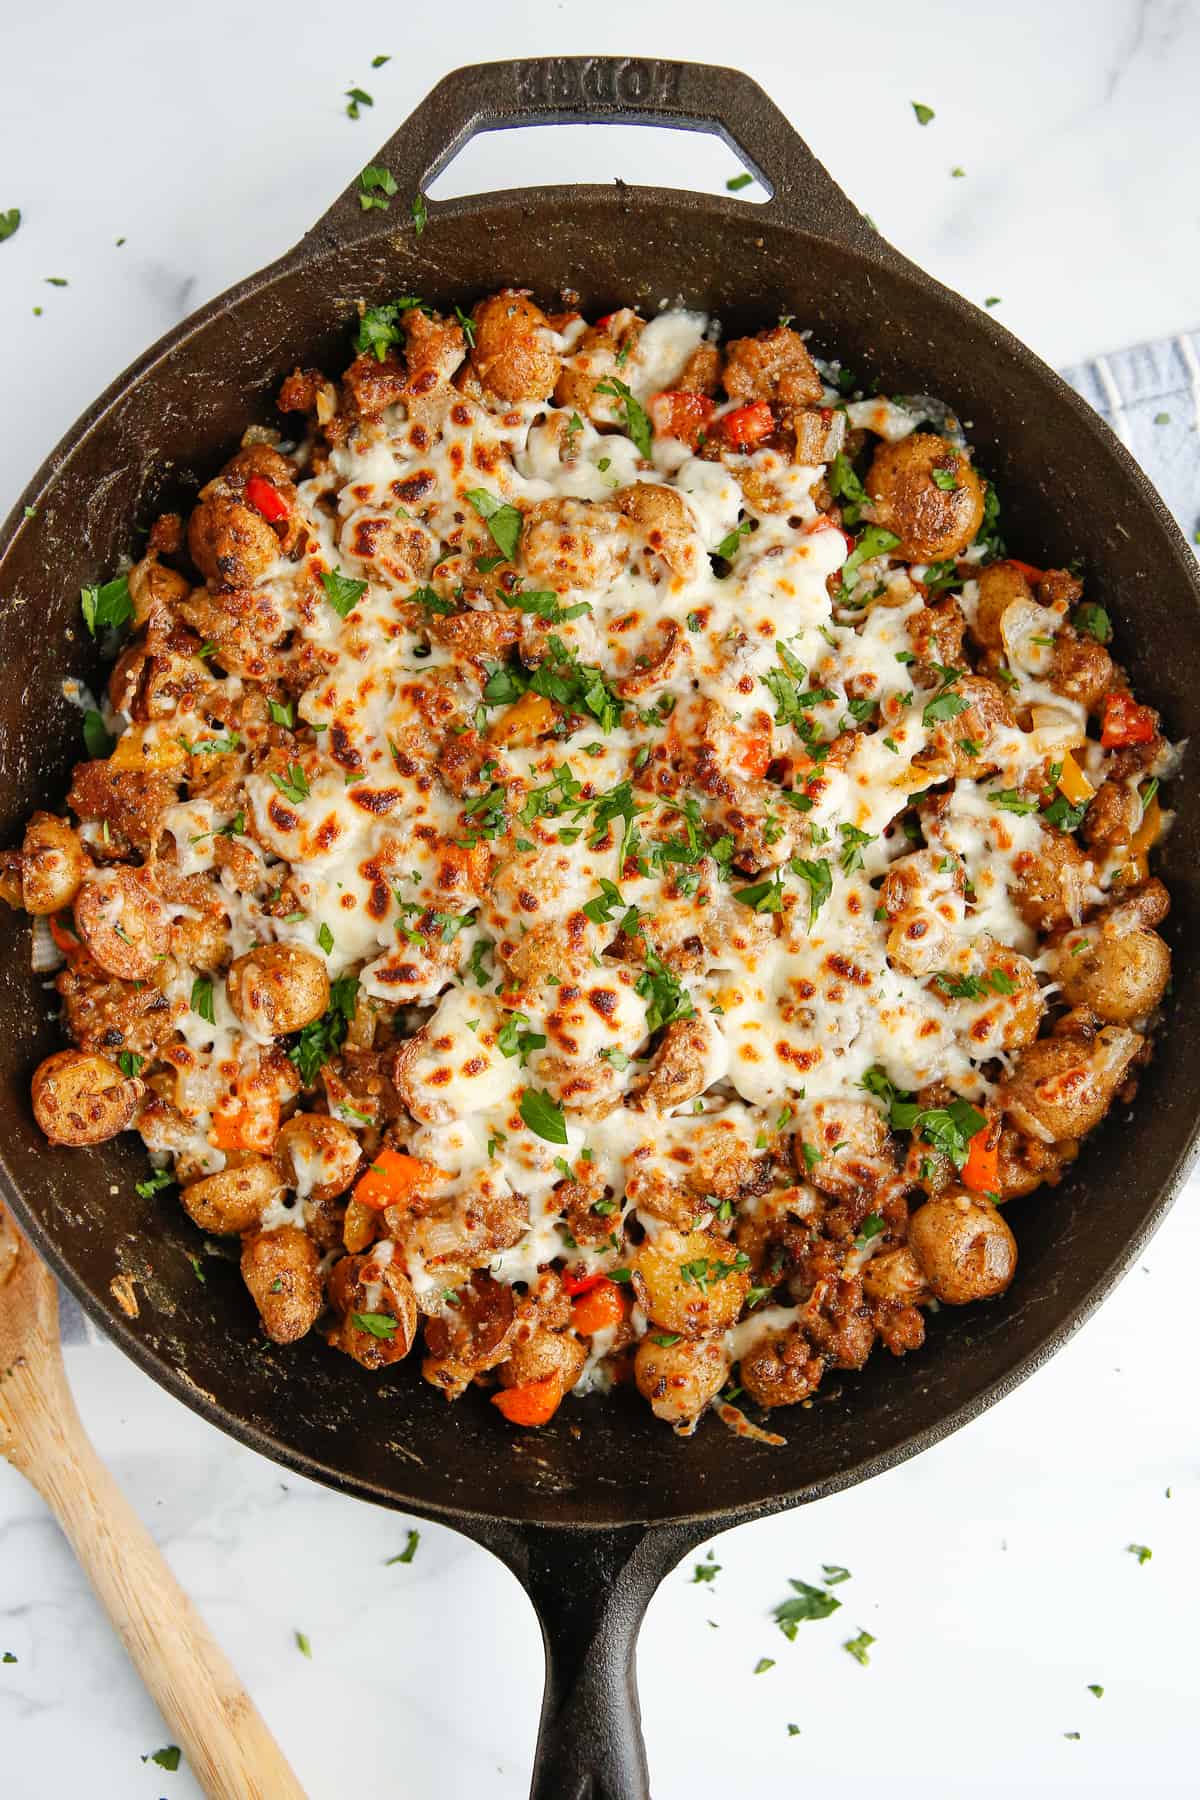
x: 53, y: 864
x: 234, y: 1199
x: 694, y: 1284
x: 278, y: 988
x: 283, y: 1272
x: 679, y: 1379
x: 963, y: 1248
x: 933, y: 518
x: 83, y: 1099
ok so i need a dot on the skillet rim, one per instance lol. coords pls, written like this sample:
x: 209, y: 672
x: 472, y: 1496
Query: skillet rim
x: 983, y: 330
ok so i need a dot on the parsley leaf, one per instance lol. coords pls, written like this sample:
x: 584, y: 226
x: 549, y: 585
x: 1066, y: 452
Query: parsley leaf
x: 923, y: 113
x: 502, y: 520
x: 379, y: 1325
x: 875, y: 541
x: 810, y: 1603
x: 166, y: 1758
x: 317, y: 1042
x: 668, y: 998
x: 513, y: 1040
x: 409, y: 1551
x: 342, y: 593
x: 377, y: 187
x: 10, y: 220
x: 819, y: 877
x: 858, y: 1647
x: 543, y: 1116
x: 98, y: 740
x: 377, y: 328
x: 294, y: 785
x: 1095, y: 621
x: 637, y: 421
x: 202, y: 999
x: 106, y: 607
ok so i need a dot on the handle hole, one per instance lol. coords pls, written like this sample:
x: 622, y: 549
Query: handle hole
x: 642, y: 155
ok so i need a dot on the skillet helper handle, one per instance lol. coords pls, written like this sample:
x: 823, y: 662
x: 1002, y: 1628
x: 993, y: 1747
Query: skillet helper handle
x: 226, y: 1742
x: 624, y: 90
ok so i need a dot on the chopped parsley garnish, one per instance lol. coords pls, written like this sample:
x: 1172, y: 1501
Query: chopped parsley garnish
x: 378, y: 329
x: 9, y: 222
x: 543, y: 1116
x: 736, y: 183
x: 342, y: 593
x: 924, y: 114
x: 637, y: 421
x: 294, y: 785
x: 852, y: 842
x: 763, y: 1664
x: 1095, y: 621
x: 732, y: 542
x: 303, y: 1645
x: 97, y: 739
x: 819, y: 878
x: 283, y: 713
x: 1062, y: 814
x: 358, y: 97
x: 326, y: 1035
x: 514, y: 1040
x: 106, y: 607
x: 665, y: 1339
x: 875, y: 541
x: 154, y: 1183
x: 945, y: 479
x: 706, y: 1571
x: 409, y: 1551
x: 666, y: 995
x: 420, y: 212
x: 502, y: 520
x: 834, y: 1573
x: 547, y: 605
x: 378, y: 1325
x: 1093, y: 1687
x: 1143, y: 1552
x: 858, y: 1647
x: 871, y: 1228
x: 1012, y: 800
x: 130, y: 1063
x: 325, y: 938
x: 202, y: 999
x: 845, y: 486
x: 948, y: 1129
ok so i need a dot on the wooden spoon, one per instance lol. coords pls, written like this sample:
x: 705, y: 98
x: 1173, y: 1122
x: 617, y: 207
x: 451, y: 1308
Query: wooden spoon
x: 225, y: 1740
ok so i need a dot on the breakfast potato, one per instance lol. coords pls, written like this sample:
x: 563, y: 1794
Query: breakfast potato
x: 963, y: 1247
x: 83, y: 1099
x: 53, y: 864
x: 695, y: 1284
x: 123, y: 923
x: 283, y: 1272
x: 679, y: 1379
x: 1063, y: 1086
x: 235, y: 1198
x: 934, y: 519
x: 278, y: 988
x: 317, y: 1155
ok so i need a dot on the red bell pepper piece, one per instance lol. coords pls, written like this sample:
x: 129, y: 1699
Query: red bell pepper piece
x: 1125, y: 722
x: 578, y: 1281
x: 746, y: 426
x: 267, y: 500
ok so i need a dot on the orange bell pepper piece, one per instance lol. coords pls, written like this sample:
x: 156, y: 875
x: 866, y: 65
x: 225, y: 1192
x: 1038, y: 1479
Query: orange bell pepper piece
x: 981, y: 1173
x: 534, y: 1404
x: 1125, y: 722
x: 239, y: 1126
x: 393, y: 1178
x: 746, y: 426
x: 599, y: 1309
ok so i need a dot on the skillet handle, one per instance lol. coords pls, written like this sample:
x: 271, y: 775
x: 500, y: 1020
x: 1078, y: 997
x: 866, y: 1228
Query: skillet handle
x: 590, y: 1590
x: 626, y: 90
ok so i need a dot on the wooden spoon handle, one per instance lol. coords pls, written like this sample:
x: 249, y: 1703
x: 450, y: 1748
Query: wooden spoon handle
x: 225, y: 1739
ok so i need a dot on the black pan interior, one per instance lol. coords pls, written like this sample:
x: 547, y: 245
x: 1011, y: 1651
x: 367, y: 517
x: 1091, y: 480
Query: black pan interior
x: 1067, y: 492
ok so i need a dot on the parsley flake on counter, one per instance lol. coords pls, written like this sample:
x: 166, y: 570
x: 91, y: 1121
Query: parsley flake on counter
x: 706, y: 1571
x: 857, y: 1647
x: 8, y: 1657
x: 166, y: 1758
x: 958, y: 172
x: 793, y: 1731
x: 923, y: 113
x: 303, y: 1645
x: 992, y: 300
x: 834, y: 1572
x: 9, y: 222
x: 409, y: 1551
x: 377, y: 62
x: 57, y: 281
x: 1093, y: 1687
x: 763, y: 1664
x: 1143, y: 1552
x: 809, y: 1603
x: 357, y: 97
x: 736, y: 183
x: 1072, y: 1735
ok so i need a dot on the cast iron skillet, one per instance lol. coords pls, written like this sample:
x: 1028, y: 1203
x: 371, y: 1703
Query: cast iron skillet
x: 591, y: 1512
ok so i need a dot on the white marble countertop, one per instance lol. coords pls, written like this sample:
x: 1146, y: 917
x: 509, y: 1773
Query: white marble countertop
x: 993, y: 1571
